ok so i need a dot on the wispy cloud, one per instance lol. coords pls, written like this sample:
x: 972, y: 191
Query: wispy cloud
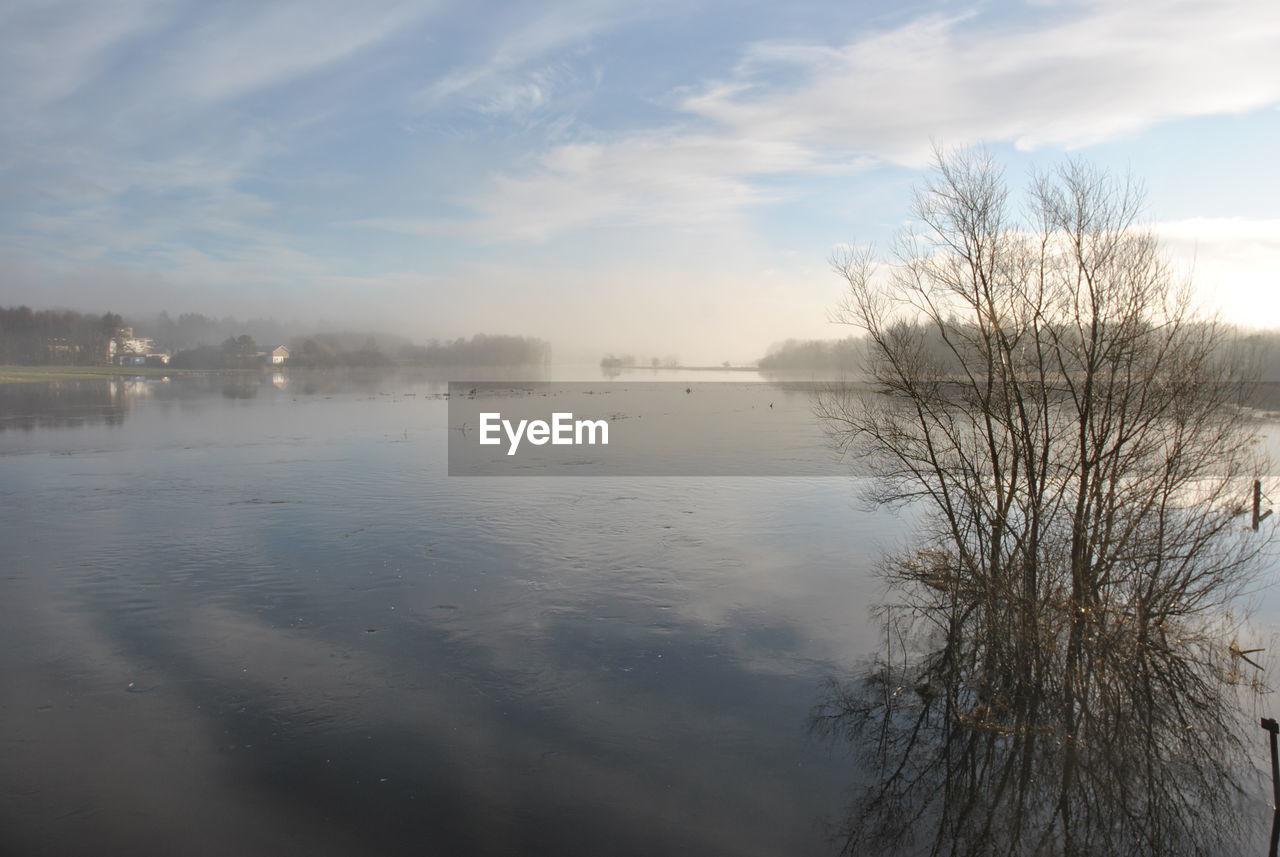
x: 1065, y: 77
x: 524, y: 47
x: 1068, y: 77
x: 661, y: 179
x: 228, y: 52
x: 680, y: 179
x: 49, y: 50
x: 126, y: 141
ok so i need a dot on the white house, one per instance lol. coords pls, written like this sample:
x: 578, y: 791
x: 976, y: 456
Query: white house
x: 124, y: 343
x: 279, y: 355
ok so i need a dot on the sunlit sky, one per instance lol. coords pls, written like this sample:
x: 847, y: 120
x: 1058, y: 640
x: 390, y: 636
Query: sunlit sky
x: 662, y: 178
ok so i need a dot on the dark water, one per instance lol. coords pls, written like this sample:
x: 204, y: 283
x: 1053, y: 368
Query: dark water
x: 245, y: 617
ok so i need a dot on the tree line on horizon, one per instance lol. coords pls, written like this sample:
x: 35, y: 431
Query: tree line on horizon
x: 196, y: 341
x: 55, y: 336
x: 613, y: 361
x: 839, y: 356
x: 1257, y: 350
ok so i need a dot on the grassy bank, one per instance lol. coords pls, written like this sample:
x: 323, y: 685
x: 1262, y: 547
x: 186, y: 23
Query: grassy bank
x: 28, y: 374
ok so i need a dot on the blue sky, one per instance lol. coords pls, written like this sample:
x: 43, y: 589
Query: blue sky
x: 663, y: 178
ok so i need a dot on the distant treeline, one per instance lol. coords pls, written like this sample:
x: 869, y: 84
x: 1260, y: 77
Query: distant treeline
x: 1257, y: 350
x: 55, y: 336
x: 628, y: 361
x: 196, y: 341
x: 362, y: 351
x: 479, y: 350
x: 193, y: 330
x: 834, y: 356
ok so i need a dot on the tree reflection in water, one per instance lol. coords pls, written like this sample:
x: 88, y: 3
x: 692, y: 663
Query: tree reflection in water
x: 1060, y: 672
x: 991, y: 733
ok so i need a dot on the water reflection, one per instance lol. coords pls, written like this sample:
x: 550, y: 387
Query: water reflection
x: 988, y: 733
x: 63, y: 404
x: 235, y: 387
x: 273, y: 625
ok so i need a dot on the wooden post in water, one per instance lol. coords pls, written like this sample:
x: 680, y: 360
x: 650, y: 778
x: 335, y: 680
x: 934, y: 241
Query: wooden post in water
x: 1258, y: 515
x: 1273, y: 728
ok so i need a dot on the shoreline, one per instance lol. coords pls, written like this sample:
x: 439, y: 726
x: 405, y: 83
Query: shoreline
x: 14, y: 374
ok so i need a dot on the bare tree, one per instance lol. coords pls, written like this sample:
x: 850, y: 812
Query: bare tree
x: 1078, y: 448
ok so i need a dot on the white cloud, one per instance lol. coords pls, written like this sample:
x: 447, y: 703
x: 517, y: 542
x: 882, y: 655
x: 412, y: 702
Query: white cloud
x: 682, y: 179
x: 119, y: 134
x: 1078, y: 78
x: 1216, y: 230
x: 193, y: 53
x: 1234, y: 263
x: 1070, y: 77
x: 674, y: 179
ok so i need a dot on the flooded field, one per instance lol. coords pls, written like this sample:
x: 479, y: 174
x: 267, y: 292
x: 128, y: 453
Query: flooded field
x: 254, y: 615
x: 256, y: 618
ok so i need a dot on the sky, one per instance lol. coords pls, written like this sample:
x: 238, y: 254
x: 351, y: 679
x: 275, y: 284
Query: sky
x: 661, y: 178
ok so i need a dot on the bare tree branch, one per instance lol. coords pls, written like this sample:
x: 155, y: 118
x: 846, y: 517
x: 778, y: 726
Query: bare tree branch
x: 1059, y: 679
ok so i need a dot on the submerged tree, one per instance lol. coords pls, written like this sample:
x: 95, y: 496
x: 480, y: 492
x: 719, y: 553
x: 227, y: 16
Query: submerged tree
x: 1061, y: 675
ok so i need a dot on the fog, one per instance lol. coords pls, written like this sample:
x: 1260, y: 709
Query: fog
x: 701, y: 320
x: 700, y: 316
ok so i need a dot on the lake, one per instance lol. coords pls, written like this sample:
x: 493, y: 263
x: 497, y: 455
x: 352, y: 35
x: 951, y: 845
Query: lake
x: 255, y: 615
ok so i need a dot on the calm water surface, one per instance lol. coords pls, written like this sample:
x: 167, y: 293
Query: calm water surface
x: 245, y: 617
